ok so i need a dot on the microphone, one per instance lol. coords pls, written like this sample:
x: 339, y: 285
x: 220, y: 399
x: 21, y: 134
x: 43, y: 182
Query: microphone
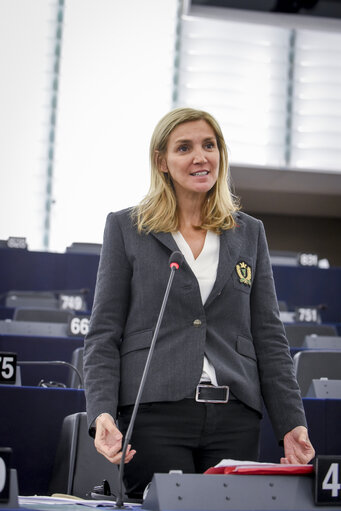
x: 174, y: 263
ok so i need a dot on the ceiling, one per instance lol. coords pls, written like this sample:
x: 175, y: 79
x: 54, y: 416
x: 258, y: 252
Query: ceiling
x: 305, y: 193
x: 319, y: 8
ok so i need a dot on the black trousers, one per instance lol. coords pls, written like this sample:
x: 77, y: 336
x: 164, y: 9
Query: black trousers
x: 188, y: 436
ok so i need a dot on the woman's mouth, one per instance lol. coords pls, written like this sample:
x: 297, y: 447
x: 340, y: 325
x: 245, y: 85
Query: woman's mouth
x: 200, y: 173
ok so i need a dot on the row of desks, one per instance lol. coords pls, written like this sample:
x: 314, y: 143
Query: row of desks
x: 31, y: 419
x: 46, y: 271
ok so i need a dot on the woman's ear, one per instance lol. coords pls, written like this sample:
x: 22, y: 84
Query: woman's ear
x: 161, y: 162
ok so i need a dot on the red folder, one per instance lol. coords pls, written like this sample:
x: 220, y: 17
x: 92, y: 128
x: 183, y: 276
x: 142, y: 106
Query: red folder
x: 262, y: 469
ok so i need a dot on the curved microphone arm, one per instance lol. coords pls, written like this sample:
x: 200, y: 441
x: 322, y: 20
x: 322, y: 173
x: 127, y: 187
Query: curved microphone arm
x: 56, y: 363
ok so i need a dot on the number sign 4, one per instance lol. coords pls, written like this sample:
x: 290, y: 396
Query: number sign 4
x: 328, y: 480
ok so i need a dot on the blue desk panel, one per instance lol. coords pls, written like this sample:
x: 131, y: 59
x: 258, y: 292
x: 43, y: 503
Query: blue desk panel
x: 46, y: 271
x: 324, y: 419
x: 310, y: 286
x: 31, y: 420
x: 41, y: 348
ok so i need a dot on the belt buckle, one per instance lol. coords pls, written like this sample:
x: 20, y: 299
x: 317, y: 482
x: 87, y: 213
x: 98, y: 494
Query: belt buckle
x: 224, y: 391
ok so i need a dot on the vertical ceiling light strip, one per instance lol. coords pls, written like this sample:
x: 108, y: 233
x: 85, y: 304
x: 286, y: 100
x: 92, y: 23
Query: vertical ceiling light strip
x: 53, y: 120
x: 182, y: 5
x: 290, y: 98
x: 316, y: 114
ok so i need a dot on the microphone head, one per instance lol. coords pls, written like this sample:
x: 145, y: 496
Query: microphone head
x: 176, y: 259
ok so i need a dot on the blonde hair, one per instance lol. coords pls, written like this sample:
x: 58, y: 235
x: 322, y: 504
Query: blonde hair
x: 158, y: 210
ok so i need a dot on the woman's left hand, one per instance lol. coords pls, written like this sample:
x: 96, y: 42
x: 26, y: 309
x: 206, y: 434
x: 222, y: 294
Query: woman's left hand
x: 297, y: 447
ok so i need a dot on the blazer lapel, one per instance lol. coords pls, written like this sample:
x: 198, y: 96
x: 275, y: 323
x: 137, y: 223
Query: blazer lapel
x: 166, y: 239
x: 230, y: 246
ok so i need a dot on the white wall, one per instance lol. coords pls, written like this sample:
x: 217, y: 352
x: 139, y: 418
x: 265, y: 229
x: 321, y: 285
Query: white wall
x: 25, y: 55
x: 115, y: 83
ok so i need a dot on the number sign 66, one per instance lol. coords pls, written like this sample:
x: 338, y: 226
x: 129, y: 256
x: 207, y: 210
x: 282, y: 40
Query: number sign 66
x: 79, y: 326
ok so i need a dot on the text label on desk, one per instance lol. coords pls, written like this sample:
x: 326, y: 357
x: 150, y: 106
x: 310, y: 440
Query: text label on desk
x: 308, y: 259
x: 78, y: 326
x: 327, y: 485
x: 73, y: 302
x: 8, y: 367
x: 307, y: 314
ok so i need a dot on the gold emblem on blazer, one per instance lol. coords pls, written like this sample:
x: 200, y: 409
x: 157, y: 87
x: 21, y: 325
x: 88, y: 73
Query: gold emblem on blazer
x: 244, y: 273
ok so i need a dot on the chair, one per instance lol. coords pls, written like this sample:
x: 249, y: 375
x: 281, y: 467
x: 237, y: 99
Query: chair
x: 77, y: 362
x: 43, y: 315
x: 282, y: 305
x: 84, y: 248
x: 296, y: 332
x: 284, y: 258
x: 315, y: 364
x: 78, y: 467
x: 324, y: 342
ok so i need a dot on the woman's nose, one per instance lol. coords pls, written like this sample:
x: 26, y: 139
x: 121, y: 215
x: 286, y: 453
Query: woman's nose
x: 199, y: 156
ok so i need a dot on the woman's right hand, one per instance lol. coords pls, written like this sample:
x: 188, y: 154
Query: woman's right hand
x: 108, y: 440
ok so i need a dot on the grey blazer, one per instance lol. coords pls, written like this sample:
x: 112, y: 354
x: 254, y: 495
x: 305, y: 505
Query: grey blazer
x: 238, y: 328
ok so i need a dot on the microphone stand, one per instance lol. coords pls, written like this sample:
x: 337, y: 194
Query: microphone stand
x: 174, y: 266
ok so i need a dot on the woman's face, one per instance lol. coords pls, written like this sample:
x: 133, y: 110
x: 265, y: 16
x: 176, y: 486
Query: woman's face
x: 192, y: 158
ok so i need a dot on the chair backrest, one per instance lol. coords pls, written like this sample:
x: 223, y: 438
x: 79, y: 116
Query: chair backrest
x: 84, y: 248
x: 296, y: 332
x: 284, y: 258
x: 78, y: 467
x: 76, y: 361
x: 43, y: 315
x: 311, y: 365
x: 282, y: 305
x: 324, y: 342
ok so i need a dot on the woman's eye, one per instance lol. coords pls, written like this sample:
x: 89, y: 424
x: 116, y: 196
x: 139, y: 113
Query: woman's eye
x: 183, y: 148
x: 210, y: 145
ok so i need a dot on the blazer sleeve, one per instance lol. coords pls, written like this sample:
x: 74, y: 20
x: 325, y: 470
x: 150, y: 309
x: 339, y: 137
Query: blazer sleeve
x: 279, y: 386
x: 108, y: 317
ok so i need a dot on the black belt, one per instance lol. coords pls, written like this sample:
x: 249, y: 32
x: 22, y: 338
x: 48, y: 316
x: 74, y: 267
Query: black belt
x: 208, y: 393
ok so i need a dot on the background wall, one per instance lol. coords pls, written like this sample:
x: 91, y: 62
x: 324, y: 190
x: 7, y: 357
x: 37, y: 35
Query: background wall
x: 83, y: 83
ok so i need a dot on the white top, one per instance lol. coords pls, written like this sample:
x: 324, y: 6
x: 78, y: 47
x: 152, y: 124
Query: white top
x: 204, y: 268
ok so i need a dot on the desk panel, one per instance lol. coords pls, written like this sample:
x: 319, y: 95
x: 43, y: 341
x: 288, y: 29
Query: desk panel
x: 309, y: 286
x: 323, y: 418
x: 31, y: 420
x: 41, y: 348
x: 47, y: 271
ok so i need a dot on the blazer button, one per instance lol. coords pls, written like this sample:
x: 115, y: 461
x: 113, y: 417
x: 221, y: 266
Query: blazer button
x: 197, y: 322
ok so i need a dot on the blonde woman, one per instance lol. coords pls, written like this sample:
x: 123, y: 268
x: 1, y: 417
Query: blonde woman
x: 221, y: 348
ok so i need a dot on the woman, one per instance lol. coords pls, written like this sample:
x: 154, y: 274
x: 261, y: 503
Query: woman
x: 221, y: 326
